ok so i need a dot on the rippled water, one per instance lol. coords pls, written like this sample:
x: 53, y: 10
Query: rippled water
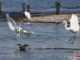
x: 42, y: 6
x: 47, y: 35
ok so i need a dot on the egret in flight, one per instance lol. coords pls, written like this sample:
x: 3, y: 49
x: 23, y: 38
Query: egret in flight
x: 14, y: 27
x: 74, y: 26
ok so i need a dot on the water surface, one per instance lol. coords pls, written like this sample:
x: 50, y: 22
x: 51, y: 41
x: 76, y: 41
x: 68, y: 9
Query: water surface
x: 47, y: 35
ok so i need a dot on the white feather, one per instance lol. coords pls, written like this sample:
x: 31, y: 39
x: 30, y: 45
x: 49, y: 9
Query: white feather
x: 27, y: 14
x: 11, y: 23
x: 74, y: 23
x: 14, y: 27
x: 74, y: 26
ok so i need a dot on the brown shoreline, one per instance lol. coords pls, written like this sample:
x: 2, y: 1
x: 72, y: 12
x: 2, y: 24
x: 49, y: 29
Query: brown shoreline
x: 49, y: 18
x: 38, y: 18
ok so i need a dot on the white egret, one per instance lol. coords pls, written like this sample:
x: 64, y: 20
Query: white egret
x: 28, y: 16
x: 14, y: 27
x: 74, y: 26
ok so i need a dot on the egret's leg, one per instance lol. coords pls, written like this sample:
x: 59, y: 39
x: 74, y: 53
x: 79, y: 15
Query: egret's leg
x: 71, y: 38
x: 74, y: 38
x: 16, y: 39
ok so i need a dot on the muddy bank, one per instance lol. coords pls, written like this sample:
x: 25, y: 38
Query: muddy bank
x: 47, y: 18
x: 38, y: 18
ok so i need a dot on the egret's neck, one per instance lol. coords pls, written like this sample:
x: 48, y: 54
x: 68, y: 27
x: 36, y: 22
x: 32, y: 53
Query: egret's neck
x: 67, y: 28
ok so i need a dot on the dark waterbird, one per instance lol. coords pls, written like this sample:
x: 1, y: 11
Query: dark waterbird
x: 23, y: 47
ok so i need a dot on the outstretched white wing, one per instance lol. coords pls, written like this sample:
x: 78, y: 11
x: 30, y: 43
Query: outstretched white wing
x: 74, y: 23
x: 26, y: 33
x: 74, y: 19
x: 11, y: 23
x: 13, y: 26
x: 27, y: 14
